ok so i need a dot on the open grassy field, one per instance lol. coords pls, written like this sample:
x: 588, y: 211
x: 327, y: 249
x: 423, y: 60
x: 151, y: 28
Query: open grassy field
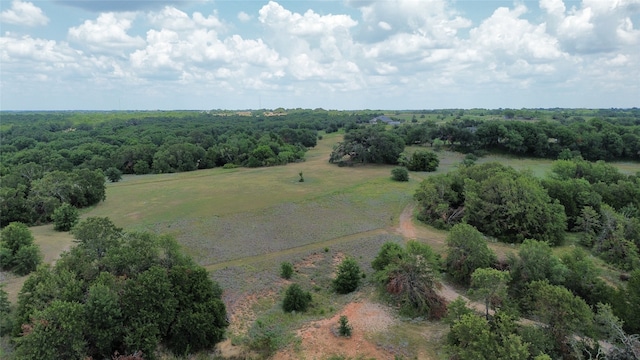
x: 242, y: 223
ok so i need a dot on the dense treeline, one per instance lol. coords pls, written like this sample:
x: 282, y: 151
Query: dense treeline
x: 594, y: 200
x: 566, y: 294
x: 116, y: 293
x: 594, y: 139
x: 47, y: 159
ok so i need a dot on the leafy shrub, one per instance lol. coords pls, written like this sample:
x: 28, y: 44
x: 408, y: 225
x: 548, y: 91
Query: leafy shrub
x: 348, y: 276
x: 113, y: 174
x: 400, y: 174
x: 296, y: 299
x: 423, y: 160
x: 286, y: 270
x: 65, y: 217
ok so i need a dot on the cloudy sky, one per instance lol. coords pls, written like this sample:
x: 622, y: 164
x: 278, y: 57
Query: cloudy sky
x: 351, y: 54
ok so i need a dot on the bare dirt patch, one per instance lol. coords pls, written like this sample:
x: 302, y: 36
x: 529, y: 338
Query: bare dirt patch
x: 319, y: 339
x: 308, y: 262
x: 406, y: 228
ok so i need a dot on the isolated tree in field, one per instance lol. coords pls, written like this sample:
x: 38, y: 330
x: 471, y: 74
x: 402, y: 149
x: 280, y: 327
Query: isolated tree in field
x: 296, y: 299
x: 400, y: 174
x: 18, y: 252
x: 286, y: 270
x: 423, y: 160
x: 65, y: 217
x: 348, y: 276
x: 490, y: 285
x: 370, y: 145
x: 467, y: 251
x: 113, y: 174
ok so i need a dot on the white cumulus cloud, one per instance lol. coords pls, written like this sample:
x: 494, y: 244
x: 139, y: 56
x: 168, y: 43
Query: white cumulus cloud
x: 24, y: 13
x: 594, y: 26
x: 275, y: 16
x: 108, y: 33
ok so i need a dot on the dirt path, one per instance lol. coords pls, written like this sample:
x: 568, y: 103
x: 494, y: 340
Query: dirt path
x: 408, y: 230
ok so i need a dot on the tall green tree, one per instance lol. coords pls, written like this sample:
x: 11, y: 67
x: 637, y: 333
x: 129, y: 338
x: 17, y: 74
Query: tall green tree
x: 563, y: 313
x: 370, y: 145
x: 467, y: 251
x: 490, y: 285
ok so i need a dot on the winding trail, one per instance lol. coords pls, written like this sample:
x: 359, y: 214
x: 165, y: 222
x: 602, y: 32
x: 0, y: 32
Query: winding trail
x: 408, y: 229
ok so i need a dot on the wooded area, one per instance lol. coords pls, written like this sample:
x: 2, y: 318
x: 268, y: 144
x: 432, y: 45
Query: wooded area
x: 53, y: 163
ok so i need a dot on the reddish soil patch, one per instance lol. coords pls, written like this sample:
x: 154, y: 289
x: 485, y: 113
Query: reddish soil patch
x: 320, y: 339
x: 309, y: 261
x: 406, y: 224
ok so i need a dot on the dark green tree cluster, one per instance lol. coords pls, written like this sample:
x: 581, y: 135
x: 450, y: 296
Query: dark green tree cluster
x: 601, y: 205
x: 31, y: 194
x: 496, y: 199
x: 548, y: 290
x: 117, y: 292
x: 409, y: 276
x: 605, y: 136
x: 18, y: 252
x: 368, y: 145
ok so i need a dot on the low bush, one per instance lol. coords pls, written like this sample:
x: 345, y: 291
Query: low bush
x: 286, y: 270
x: 296, y: 299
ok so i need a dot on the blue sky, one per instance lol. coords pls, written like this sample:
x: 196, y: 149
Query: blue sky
x: 348, y: 54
